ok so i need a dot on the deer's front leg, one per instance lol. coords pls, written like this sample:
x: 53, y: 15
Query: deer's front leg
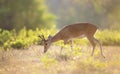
x: 71, y: 44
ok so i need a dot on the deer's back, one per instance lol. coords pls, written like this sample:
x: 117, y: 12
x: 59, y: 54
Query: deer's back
x: 78, y: 29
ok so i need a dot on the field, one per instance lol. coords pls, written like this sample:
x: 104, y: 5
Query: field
x: 28, y: 27
x: 22, y: 53
x: 77, y: 61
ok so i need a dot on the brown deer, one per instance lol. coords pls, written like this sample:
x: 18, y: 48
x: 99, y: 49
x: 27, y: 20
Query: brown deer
x: 74, y: 31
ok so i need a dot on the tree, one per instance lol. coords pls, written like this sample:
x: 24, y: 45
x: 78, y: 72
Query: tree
x: 25, y: 13
x: 103, y: 13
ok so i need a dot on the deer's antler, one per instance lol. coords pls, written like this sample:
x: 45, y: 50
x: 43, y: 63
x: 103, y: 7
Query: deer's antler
x: 42, y: 37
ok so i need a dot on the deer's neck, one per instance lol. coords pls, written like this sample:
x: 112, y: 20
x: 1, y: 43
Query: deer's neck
x: 55, y: 38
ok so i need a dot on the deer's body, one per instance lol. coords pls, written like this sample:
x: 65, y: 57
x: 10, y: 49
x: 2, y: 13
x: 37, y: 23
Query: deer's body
x: 77, y: 30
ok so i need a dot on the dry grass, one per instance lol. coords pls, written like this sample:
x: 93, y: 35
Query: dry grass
x: 77, y: 61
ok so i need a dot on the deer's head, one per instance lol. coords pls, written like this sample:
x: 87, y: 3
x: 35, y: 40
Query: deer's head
x: 46, y: 42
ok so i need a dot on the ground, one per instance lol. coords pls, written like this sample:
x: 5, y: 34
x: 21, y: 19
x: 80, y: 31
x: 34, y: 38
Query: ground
x: 32, y: 61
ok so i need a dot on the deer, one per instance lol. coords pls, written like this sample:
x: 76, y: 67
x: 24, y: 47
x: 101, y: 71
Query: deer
x: 69, y: 32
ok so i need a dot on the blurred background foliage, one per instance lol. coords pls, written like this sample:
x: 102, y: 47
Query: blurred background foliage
x: 103, y: 13
x: 58, y: 13
x: 25, y: 13
x: 22, y: 20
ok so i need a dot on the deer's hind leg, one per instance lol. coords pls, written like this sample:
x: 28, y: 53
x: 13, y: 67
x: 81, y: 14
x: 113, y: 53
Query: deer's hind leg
x: 100, y: 44
x: 92, y: 43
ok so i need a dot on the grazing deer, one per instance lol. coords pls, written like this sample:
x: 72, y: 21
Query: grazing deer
x: 74, y: 31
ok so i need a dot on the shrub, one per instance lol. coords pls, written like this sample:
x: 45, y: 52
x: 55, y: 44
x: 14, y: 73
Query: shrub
x: 17, y: 44
x: 25, y: 38
x: 109, y: 37
x: 4, y: 36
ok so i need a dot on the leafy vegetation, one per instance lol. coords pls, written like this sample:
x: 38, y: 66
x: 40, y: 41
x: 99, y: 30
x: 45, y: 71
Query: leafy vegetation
x: 25, y: 38
x: 108, y: 37
x: 25, y: 13
x: 102, y: 13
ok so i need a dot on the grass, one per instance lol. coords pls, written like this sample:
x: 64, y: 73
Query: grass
x: 29, y: 59
x: 77, y: 61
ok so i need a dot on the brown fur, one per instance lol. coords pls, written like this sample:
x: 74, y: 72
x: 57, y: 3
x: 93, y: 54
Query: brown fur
x: 75, y: 31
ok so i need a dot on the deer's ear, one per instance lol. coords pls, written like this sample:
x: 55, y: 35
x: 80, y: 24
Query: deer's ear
x: 49, y: 37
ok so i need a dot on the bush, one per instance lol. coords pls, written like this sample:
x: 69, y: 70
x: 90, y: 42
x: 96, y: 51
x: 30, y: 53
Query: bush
x: 21, y: 39
x: 4, y: 36
x: 25, y: 38
x: 109, y: 37
x: 17, y: 44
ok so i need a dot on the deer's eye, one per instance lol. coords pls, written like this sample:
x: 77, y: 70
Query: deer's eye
x: 46, y: 44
